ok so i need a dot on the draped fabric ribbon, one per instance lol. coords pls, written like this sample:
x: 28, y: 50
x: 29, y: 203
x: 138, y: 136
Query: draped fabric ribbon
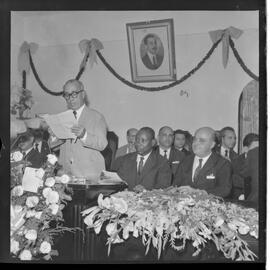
x: 23, y: 57
x: 89, y: 48
x: 225, y: 35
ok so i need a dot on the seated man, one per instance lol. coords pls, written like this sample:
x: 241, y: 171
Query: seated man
x: 145, y: 168
x: 130, y: 146
x: 167, y: 150
x: 205, y: 169
x: 228, y: 141
x: 180, y: 141
x: 26, y: 146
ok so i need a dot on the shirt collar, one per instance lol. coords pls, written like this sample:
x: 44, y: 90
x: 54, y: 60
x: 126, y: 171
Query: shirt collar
x: 162, y: 151
x: 145, y: 157
x: 223, y: 149
x: 79, y: 111
x: 204, y: 159
x: 150, y: 55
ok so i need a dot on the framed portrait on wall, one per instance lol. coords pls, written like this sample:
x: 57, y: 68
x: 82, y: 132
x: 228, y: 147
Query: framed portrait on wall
x: 151, y: 51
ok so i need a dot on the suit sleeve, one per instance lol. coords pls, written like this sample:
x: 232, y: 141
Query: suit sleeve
x: 164, y: 176
x: 96, y: 137
x: 224, y: 180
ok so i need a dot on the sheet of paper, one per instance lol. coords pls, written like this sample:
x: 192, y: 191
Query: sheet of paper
x: 61, y: 124
x: 29, y: 181
x: 108, y: 178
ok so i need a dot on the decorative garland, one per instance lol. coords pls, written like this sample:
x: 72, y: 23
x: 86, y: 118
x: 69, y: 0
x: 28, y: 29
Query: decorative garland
x: 241, y: 62
x: 138, y: 87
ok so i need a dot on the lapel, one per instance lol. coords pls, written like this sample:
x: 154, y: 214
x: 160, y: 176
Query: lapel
x: 132, y: 168
x: 209, y: 165
x: 83, y: 116
x: 172, y: 154
x: 29, y: 154
x: 188, y: 167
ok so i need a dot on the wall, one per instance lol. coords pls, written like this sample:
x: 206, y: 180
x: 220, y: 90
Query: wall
x: 213, y: 90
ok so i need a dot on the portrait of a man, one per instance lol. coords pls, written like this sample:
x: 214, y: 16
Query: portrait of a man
x: 153, y: 53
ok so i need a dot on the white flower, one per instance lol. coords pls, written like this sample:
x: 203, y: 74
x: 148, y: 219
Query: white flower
x: 25, y: 255
x: 104, y: 203
x: 46, y: 191
x: 52, y: 197
x: 30, y: 213
x: 120, y: 205
x: 111, y: 228
x: 40, y: 173
x: 31, y: 235
x: 219, y: 222
x: 65, y: 179
x: 117, y: 240
x: 232, y: 226
x: 16, y: 156
x: 17, y: 191
x: 32, y: 201
x: 18, y: 209
x: 52, y: 159
x: 243, y: 229
x: 45, y: 247
x: 54, y: 207
x: 50, y: 181
x: 38, y: 214
x: 14, y: 246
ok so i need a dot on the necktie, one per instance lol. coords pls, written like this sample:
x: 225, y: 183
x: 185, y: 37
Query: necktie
x: 165, y: 154
x: 75, y: 114
x: 36, y: 147
x: 154, y: 60
x: 226, y: 153
x: 24, y: 154
x: 197, y: 170
x: 140, y: 168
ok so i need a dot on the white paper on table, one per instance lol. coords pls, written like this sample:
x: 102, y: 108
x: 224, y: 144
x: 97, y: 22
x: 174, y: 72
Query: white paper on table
x: 110, y: 178
x: 29, y: 181
x: 61, y: 124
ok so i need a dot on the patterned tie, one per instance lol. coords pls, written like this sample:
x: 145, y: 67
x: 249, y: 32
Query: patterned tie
x: 197, y: 170
x: 75, y: 114
x: 165, y: 154
x: 140, y: 168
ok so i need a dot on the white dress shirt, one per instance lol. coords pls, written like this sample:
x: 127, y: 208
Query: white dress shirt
x: 151, y: 56
x: 144, y: 160
x: 78, y: 114
x: 196, y: 163
x: 162, y: 152
x: 39, y: 145
x: 222, y: 151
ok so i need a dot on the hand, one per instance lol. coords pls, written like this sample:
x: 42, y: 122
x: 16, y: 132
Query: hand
x: 51, y: 132
x: 79, y: 131
x: 139, y: 188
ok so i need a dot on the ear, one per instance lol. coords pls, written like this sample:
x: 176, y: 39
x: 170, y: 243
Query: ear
x: 153, y: 142
x: 213, y: 145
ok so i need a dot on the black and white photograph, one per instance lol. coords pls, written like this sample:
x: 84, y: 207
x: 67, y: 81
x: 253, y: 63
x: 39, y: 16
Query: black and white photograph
x: 134, y: 136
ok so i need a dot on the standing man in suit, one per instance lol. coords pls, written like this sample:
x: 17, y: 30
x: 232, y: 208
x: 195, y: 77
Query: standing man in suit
x: 180, y: 141
x: 40, y: 144
x: 26, y: 146
x: 228, y: 141
x: 81, y: 157
x: 205, y: 169
x: 145, y: 168
x: 167, y: 150
x: 151, y: 59
x: 130, y: 146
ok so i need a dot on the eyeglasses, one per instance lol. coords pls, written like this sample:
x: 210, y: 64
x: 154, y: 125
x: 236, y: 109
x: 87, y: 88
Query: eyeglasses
x: 72, y: 94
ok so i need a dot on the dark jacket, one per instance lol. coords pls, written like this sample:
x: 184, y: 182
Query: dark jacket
x: 156, y: 171
x: 214, y: 177
x: 232, y: 154
x: 147, y: 62
x: 35, y: 158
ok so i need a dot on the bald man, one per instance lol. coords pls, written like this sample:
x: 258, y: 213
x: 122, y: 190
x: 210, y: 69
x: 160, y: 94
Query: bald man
x: 130, y: 146
x: 205, y: 169
x: 145, y: 169
x: 166, y: 149
x: 81, y: 157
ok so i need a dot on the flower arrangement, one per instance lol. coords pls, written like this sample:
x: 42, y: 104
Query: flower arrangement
x: 36, y: 217
x: 175, y: 215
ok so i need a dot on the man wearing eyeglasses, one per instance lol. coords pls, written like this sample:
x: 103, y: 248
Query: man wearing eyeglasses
x: 81, y: 157
x: 205, y: 169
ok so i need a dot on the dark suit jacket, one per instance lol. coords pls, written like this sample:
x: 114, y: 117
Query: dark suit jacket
x: 185, y: 151
x: 45, y: 150
x: 216, y: 165
x: 175, y: 159
x: 156, y: 172
x: 147, y: 62
x: 35, y: 158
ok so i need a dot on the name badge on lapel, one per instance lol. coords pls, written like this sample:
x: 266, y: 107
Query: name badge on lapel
x: 210, y: 176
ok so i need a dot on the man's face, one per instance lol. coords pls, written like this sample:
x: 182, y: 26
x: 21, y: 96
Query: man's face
x: 229, y: 139
x: 165, y: 138
x: 152, y: 45
x: 179, y: 140
x: 143, y: 143
x: 131, y: 136
x: 202, y: 143
x: 74, y: 103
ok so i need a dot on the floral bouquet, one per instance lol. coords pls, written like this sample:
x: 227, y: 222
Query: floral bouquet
x: 175, y: 215
x: 36, y: 217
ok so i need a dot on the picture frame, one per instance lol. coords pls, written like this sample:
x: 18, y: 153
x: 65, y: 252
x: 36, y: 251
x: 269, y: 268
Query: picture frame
x: 152, y: 51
